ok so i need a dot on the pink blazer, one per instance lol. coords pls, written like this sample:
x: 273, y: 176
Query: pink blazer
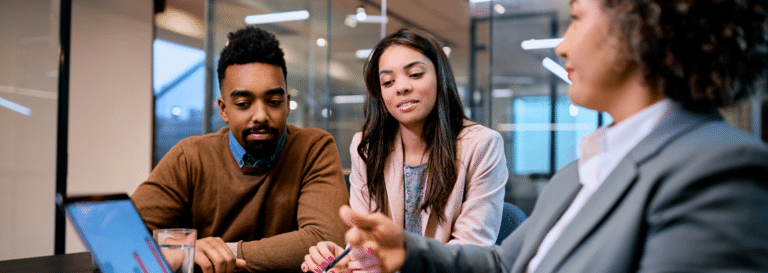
x: 473, y: 211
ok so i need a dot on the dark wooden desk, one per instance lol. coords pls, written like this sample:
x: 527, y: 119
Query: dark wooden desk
x: 66, y: 263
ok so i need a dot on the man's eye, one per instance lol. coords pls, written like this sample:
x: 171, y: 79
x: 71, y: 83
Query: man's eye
x: 242, y: 104
x: 276, y: 102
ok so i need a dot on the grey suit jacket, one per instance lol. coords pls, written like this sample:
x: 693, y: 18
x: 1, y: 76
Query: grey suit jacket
x: 690, y: 197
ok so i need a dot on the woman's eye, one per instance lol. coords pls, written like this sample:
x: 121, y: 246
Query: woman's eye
x: 387, y: 83
x: 417, y: 75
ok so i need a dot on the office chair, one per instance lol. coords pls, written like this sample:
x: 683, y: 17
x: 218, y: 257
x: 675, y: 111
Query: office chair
x: 511, y: 217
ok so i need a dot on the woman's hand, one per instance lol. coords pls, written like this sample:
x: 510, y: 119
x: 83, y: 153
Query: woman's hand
x: 321, y: 255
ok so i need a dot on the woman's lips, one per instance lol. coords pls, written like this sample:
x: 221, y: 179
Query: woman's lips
x: 407, y: 105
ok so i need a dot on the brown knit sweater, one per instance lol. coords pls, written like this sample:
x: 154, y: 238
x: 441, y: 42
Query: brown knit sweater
x: 275, y: 214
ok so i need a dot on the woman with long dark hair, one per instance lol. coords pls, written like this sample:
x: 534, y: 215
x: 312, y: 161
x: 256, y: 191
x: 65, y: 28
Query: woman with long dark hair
x: 418, y: 159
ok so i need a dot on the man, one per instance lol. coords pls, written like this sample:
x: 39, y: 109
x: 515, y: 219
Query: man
x: 259, y: 192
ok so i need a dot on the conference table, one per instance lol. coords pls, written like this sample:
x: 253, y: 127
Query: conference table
x: 64, y: 263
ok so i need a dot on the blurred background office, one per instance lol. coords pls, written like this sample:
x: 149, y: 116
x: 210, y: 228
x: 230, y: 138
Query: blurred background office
x: 94, y: 92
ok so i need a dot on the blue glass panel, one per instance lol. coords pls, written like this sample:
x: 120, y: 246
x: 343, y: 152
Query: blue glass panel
x: 531, y: 135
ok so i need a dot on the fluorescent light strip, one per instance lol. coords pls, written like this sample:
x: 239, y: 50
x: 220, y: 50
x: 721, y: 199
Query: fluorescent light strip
x: 348, y: 99
x: 540, y: 44
x: 478, y: 1
x: 276, y: 17
x: 15, y: 107
x: 543, y: 127
x: 368, y: 19
x: 555, y: 68
x: 363, y: 53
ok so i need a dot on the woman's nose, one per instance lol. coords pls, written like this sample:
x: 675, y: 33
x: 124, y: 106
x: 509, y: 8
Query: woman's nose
x: 403, y: 87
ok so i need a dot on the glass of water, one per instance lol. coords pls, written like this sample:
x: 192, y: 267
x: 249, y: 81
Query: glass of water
x: 178, y: 247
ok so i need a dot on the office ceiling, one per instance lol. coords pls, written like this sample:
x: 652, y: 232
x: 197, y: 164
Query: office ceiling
x: 449, y: 20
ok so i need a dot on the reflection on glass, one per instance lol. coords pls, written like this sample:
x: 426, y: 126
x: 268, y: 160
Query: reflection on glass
x: 179, y: 78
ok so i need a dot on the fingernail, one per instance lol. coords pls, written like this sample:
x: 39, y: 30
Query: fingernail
x: 330, y: 259
x: 304, y: 268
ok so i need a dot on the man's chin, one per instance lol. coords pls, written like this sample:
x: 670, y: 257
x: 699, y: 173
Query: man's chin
x: 260, y: 148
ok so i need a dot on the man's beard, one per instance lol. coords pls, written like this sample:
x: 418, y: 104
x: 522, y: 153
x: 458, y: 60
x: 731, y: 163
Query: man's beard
x: 260, y: 149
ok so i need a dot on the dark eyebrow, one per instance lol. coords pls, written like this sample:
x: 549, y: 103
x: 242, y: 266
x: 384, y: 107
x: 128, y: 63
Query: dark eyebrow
x: 412, y: 64
x: 246, y: 93
x: 240, y: 93
x: 275, y: 91
x: 404, y: 67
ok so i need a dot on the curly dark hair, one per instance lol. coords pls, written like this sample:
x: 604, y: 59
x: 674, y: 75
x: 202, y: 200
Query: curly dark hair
x: 702, y: 54
x: 249, y: 45
x: 441, y: 129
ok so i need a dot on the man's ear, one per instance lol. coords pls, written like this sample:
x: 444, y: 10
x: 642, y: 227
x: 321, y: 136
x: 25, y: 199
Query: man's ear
x: 221, y: 110
x: 289, y: 102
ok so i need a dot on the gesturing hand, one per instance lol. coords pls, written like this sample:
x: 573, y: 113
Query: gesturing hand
x: 377, y: 235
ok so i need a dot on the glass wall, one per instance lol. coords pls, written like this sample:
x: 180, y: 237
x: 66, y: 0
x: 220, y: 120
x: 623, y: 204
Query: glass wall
x: 502, y: 85
x: 28, y: 111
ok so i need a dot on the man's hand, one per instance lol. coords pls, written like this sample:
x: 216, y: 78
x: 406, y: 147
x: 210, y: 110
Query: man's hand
x: 377, y: 235
x: 213, y: 256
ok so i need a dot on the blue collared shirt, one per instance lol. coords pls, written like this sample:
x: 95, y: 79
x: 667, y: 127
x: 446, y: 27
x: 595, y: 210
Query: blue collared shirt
x: 238, y: 151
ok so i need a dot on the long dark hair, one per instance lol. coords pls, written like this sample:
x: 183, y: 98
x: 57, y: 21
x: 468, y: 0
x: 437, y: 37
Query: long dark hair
x: 441, y: 129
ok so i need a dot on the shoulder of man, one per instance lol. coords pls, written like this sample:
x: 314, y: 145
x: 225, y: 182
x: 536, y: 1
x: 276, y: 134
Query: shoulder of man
x: 208, y: 143
x: 306, y: 134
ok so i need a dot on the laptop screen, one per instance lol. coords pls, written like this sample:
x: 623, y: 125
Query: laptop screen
x: 112, y: 230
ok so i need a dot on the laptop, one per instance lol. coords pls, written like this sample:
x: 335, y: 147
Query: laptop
x: 114, y: 233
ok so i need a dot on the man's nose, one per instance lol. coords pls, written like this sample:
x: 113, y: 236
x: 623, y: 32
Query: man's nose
x: 259, y: 111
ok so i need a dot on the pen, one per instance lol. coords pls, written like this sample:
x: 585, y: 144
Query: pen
x: 335, y: 261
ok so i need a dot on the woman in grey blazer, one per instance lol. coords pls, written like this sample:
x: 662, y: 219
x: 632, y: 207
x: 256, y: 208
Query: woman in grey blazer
x: 669, y: 186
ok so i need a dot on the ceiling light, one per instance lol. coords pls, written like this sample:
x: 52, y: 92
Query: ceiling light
x: 276, y: 17
x: 15, y: 107
x: 555, y: 68
x: 478, y: 1
x: 321, y: 42
x: 368, y: 19
x: 573, y: 110
x: 502, y: 93
x: 363, y: 53
x: 499, y: 9
x: 361, y: 14
x: 447, y: 51
x: 540, y: 44
x: 181, y: 22
x: 293, y: 105
x: 348, y: 99
x: 351, y: 21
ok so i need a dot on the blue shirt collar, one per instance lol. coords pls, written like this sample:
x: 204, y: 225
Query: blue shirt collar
x: 238, y: 151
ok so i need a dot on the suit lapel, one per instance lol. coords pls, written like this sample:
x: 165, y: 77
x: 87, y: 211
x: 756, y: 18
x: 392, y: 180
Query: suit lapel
x: 616, y: 185
x: 394, y: 182
x: 591, y: 215
x: 554, y: 200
